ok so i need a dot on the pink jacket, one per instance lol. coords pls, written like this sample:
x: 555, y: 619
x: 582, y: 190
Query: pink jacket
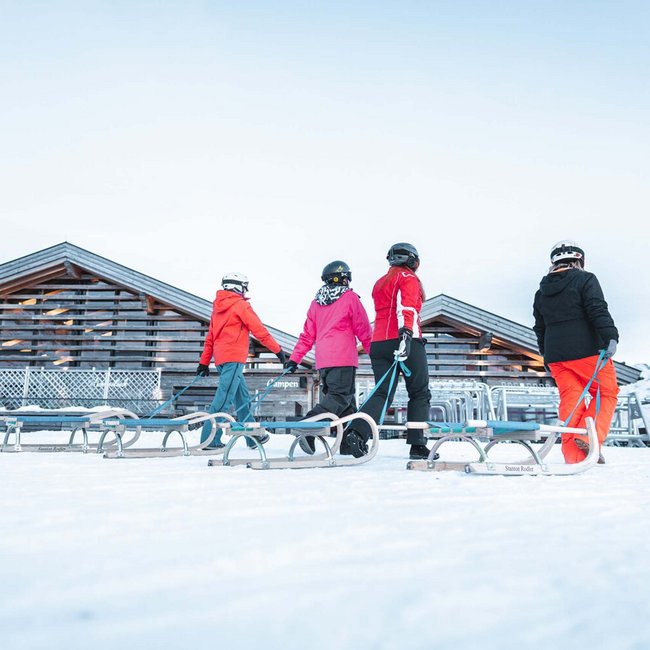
x: 335, y: 329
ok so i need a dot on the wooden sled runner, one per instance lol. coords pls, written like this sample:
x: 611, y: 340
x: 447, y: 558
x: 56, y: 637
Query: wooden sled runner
x: 318, y: 427
x: 494, y: 432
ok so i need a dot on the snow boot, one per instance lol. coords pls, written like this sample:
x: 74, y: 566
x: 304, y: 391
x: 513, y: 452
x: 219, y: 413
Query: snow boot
x: 355, y: 443
x: 262, y: 438
x: 214, y: 446
x: 307, y: 444
x: 584, y: 446
x: 420, y: 452
x: 344, y: 449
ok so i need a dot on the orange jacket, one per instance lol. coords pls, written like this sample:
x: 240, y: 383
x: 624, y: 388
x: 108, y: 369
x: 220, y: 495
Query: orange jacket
x: 230, y: 324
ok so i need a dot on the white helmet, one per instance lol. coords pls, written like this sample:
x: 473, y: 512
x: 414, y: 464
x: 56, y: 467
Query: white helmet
x: 567, y: 251
x: 235, y: 282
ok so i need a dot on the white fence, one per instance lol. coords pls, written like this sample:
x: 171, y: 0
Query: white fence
x: 136, y: 390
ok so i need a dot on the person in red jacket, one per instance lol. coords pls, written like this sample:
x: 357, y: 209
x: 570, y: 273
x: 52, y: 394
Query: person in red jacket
x: 226, y: 342
x: 398, y: 298
x: 335, y: 320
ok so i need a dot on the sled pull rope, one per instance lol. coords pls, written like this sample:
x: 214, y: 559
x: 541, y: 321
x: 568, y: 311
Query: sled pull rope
x: 261, y: 396
x: 173, y: 398
x: 600, y: 364
x: 393, y: 369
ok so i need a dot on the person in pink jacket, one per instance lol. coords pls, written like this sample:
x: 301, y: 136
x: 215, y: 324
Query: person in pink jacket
x: 335, y: 320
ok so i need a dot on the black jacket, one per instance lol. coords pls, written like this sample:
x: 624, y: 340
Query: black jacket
x: 571, y: 316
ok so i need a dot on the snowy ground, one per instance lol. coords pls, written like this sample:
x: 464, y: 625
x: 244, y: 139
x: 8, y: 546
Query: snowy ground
x: 170, y: 553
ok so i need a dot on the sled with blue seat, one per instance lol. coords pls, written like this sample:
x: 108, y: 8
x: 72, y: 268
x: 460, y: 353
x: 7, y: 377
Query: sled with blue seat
x: 496, y: 432
x: 70, y: 424
x: 320, y: 427
x: 176, y: 428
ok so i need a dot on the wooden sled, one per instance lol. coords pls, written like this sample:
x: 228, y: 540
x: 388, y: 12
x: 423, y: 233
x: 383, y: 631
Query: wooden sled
x: 168, y: 427
x: 494, y: 432
x: 318, y: 427
x: 68, y: 424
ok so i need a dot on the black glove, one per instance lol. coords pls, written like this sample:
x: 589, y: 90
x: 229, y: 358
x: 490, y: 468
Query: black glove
x: 291, y: 366
x: 611, y: 349
x: 282, y: 356
x: 404, y: 349
x: 203, y: 370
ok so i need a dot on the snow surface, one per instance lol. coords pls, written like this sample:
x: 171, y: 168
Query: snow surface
x: 170, y: 553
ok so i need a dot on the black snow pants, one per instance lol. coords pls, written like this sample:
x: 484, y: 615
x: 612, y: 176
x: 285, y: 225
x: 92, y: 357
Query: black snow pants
x: 337, y: 391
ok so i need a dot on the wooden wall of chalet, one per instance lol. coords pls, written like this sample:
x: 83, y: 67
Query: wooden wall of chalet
x: 76, y: 320
x: 85, y: 322
x: 453, y: 354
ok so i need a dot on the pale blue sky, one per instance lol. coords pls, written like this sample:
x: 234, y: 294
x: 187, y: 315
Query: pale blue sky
x: 187, y: 139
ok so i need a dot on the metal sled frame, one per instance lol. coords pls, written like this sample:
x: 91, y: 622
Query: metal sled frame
x: 521, y: 433
x: 72, y: 424
x: 318, y: 427
x: 179, y: 426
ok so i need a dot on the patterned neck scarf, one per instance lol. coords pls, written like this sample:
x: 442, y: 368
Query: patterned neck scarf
x: 328, y: 294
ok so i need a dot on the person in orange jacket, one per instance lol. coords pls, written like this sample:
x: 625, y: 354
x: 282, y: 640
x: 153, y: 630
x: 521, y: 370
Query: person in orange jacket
x: 226, y: 342
x: 573, y: 324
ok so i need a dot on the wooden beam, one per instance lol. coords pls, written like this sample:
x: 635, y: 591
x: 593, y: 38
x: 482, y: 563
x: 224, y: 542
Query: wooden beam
x: 72, y: 270
x: 151, y: 305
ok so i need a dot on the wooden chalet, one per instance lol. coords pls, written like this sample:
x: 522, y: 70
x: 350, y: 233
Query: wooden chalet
x: 69, y: 309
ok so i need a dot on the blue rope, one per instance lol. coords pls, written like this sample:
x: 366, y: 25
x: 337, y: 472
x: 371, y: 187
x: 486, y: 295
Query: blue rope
x: 393, y: 369
x: 600, y: 364
x: 261, y: 396
x: 173, y: 398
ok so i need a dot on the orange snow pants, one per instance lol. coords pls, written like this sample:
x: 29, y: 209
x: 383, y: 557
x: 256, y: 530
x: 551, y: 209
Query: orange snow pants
x: 571, y: 378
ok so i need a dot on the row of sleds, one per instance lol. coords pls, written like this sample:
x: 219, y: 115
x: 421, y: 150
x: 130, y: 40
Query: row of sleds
x: 117, y: 432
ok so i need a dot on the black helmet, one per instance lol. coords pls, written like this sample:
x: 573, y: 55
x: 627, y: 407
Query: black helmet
x: 337, y: 272
x: 403, y: 254
x: 567, y: 251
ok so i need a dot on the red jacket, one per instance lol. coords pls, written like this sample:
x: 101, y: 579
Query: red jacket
x: 232, y: 320
x: 398, y: 297
x: 335, y: 329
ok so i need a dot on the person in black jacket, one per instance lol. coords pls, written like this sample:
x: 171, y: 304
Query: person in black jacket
x: 573, y: 325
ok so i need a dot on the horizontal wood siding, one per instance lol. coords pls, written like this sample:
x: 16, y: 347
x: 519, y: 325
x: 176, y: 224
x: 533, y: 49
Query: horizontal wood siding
x: 453, y: 354
x: 85, y: 322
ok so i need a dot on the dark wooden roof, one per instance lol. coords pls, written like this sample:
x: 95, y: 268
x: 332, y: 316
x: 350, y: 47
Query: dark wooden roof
x: 51, y: 261
x: 465, y: 316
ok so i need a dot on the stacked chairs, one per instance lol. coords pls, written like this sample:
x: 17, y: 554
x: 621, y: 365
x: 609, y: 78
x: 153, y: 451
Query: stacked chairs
x: 451, y: 401
x: 525, y: 402
x: 631, y: 422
